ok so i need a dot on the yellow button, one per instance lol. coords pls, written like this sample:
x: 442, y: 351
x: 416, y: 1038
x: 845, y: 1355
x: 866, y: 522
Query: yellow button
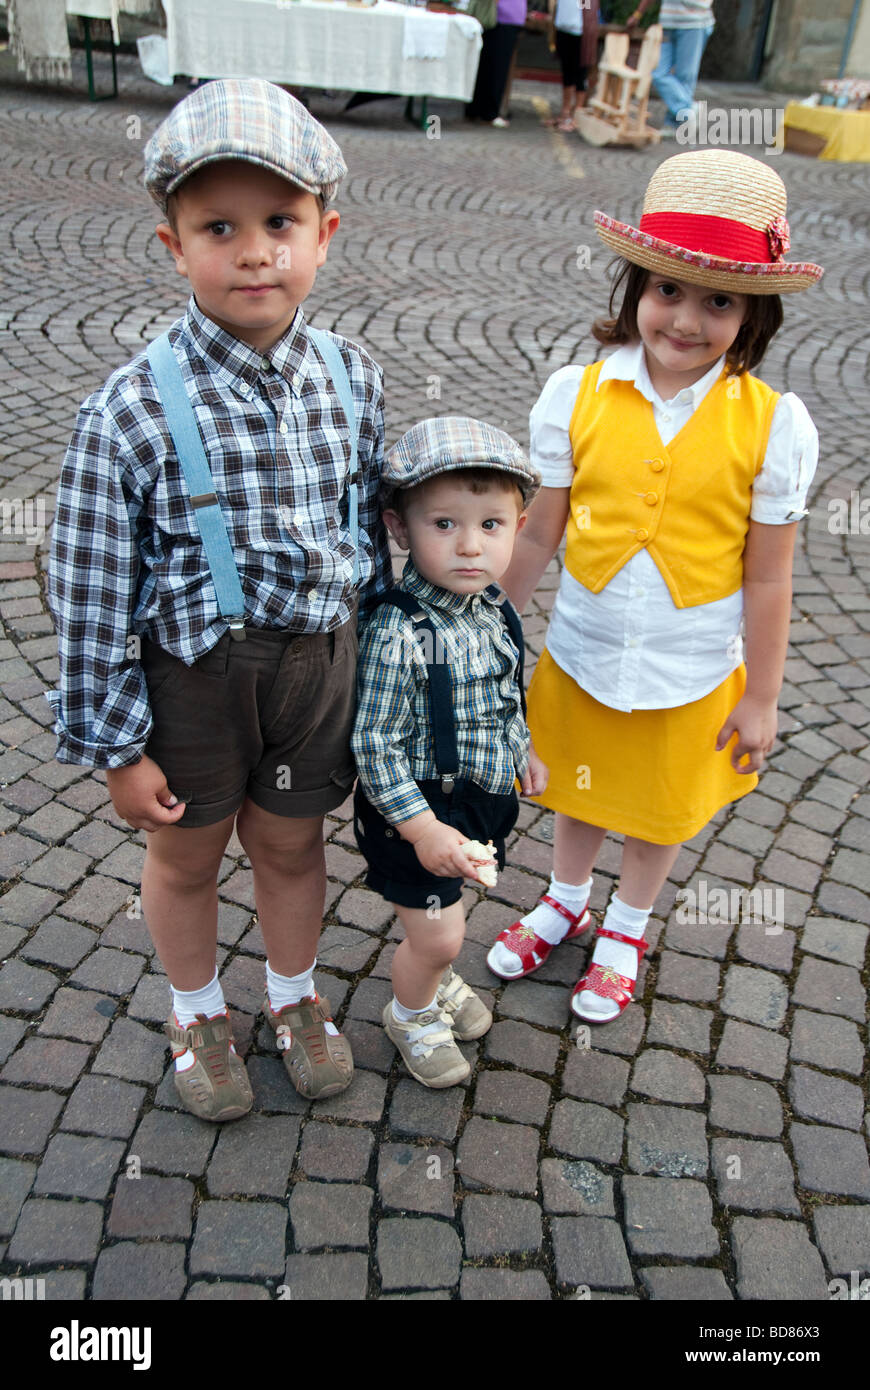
x: 651, y: 498
x: 657, y: 465
x: 642, y: 534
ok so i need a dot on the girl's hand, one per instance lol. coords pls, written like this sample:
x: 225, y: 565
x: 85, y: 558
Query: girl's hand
x: 537, y: 774
x: 439, y: 849
x: 755, y: 723
x: 141, y: 796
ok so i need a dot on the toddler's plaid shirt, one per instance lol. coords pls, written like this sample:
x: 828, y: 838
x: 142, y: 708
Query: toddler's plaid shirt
x: 127, y: 560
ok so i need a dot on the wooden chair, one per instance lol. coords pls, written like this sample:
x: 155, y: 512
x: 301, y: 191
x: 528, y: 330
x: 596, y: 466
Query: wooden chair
x: 616, y: 115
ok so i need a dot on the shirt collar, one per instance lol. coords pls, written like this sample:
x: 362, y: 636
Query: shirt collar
x: 241, y: 367
x: 629, y: 364
x: 414, y: 583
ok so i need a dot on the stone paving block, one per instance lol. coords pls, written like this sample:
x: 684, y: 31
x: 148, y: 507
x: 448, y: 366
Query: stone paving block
x: 372, y: 1049
x: 669, y: 1216
x: 98, y: 899
x: 424, y: 1113
x: 679, y: 1025
x: 369, y: 999
x: 522, y: 1046
x: 253, y: 1157
x: 150, y: 1002
x: 590, y: 1251
x: 151, y: 1206
x: 335, y: 1152
x: 416, y: 1178
x: 24, y: 988
x: 79, y: 1014
x: 64, y: 1285
x: 827, y: 1041
x: 666, y: 1076
x: 815, y: 1096
x: 684, y: 1284
x: 342, y: 948
x: 496, y: 1155
x: 761, y: 946
x: 56, y: 1232
x: 61, y: 943
x: 12, y: 1030
x: 324, y: 1278
x: 27, y: 1118
x: 75, y: 1166
x: 103, y: 1105
x: 664, y: 1140
x: 753, y: 1049
x: 590, y: 1075
x: 843, y: 942
x: 844, y: 1236
x: 417, y: 1253
x: 512, y: 1096
x: 755, y: 995
x: 111, y: 972
x: 59, y: 868
x: 330, y: 1213
x: 831, y: 1160
x: 576, y: 1187
x: 831, y: 988
x: 843, y: 901
x: 698, y: 938
x: 147, y: 1272
x: 747, y: 1106
x: 545, y: 1005
x: 16, y: 1180
x: 688, y: 977
x: 246, y: 1239
x: 131, y: 934
x: 273, y: 1089
x: 360, y: 907
x: 503, y: 1285
x: 587, y: 1131
x: 47, y: 1062
x: 173, y: 1143
x: 125, y: 863
x: 754, y: 1176
x: 776, y: 1261
x: 363, y: 1100
x: 132, y: 1052
x: 225, y: 1290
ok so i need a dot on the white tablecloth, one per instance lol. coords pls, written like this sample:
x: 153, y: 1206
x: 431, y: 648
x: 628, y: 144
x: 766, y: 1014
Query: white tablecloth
x: 333, y: 45
x: 109, y: 9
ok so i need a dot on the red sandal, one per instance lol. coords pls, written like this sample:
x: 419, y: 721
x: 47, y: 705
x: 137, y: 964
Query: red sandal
x: 532, y: 949
x: 606, y: 982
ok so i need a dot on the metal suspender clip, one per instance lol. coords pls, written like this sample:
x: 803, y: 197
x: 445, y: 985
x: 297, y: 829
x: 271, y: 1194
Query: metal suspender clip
x: 447, y: 783
x: 237, y: 627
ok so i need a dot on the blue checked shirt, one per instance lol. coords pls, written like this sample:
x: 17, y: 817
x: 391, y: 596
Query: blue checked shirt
x: 127, y: 560
x: 392, y: 740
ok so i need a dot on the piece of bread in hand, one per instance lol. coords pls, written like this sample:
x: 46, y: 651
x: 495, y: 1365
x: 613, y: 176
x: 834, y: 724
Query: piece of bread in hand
x: 483, y: 858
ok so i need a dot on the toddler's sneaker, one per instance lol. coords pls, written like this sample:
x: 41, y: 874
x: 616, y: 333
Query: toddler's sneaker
x: 216, y: 1087
x: 467, y: 1015
x: 316, y: 1055
x: 427, y: 1048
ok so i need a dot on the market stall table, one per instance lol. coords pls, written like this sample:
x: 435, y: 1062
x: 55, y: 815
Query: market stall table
x: 110, y: 10
x: 386, y: 47
x: 846, y: 133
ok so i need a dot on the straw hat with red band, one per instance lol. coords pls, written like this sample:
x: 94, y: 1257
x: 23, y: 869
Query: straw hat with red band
x: 715, y: 218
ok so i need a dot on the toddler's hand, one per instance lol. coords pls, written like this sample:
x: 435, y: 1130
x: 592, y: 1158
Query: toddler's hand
x: 439, y: 849
x: 141, y: 796
x: 536, y: 775
x: 754, y: 722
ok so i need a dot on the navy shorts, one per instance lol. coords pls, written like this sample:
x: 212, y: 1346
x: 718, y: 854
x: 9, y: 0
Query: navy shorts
x: 394, y: 869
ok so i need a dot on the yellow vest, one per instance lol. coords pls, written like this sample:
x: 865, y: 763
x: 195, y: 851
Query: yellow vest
x: 687, y: 504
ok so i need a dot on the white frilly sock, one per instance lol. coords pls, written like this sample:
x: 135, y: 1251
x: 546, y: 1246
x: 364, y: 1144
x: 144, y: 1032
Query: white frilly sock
x: 631, y: 921
x: 545, y: 921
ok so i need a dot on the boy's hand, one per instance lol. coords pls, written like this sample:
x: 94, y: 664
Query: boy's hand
x: 438, y: 846
x: 755, y: 722
x: 141, y: 796
x: 536, y: 776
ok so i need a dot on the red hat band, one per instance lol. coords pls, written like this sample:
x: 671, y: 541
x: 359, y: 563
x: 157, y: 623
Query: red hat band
x: 717, y: 236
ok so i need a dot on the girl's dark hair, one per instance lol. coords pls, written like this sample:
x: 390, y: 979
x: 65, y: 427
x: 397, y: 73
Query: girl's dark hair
x: 763, y: 319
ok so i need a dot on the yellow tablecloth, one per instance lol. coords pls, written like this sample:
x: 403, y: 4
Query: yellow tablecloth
x: 847, y: 132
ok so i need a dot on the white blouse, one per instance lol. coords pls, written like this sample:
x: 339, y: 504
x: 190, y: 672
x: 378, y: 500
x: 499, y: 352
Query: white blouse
x: 629, y: 646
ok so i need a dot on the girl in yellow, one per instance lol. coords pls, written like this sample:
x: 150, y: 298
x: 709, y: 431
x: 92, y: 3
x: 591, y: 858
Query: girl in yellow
x: 681, y: 478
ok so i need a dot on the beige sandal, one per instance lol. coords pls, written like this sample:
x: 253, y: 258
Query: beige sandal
x: 319, y: 1063
x: 216, y: 1087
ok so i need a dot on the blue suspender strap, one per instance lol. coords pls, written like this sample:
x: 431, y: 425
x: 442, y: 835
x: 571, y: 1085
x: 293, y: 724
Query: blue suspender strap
x: 200, y: 484
x: 337, y: 370
x: 441, y: 720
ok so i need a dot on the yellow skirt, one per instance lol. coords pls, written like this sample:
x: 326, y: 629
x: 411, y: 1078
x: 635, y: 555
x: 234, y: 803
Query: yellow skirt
x: 653, y: 774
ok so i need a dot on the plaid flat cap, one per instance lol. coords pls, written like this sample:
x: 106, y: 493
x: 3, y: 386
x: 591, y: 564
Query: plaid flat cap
x: 242, y: 119
x: 454, y: 442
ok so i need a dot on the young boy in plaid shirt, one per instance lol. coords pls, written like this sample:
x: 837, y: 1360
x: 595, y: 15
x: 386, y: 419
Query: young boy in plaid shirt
x: 200, y: 732
x: 440, y: 734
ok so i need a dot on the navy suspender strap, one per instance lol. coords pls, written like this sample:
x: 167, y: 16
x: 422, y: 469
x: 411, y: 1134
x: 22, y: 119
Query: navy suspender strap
x: 200, y: 484
x: 440, y: 691
x: 515, y: 628
x: 186, y: 437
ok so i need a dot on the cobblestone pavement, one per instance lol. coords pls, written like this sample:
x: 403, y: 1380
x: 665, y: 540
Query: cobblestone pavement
x: 709, y: 1145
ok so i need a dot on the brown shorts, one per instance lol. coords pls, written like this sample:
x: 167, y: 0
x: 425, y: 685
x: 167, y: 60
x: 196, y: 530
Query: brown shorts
x: 269, y: 718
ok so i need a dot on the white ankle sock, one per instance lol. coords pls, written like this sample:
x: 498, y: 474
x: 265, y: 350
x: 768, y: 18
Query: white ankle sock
x: 631, y: 921
x: 187, y: 1004
x: 289, y: 989
x: 545, y: 921
x: 403, y: 1015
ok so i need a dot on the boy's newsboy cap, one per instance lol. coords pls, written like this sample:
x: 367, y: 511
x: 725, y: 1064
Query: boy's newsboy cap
x: 242, y: 119
x: 453, y: 442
